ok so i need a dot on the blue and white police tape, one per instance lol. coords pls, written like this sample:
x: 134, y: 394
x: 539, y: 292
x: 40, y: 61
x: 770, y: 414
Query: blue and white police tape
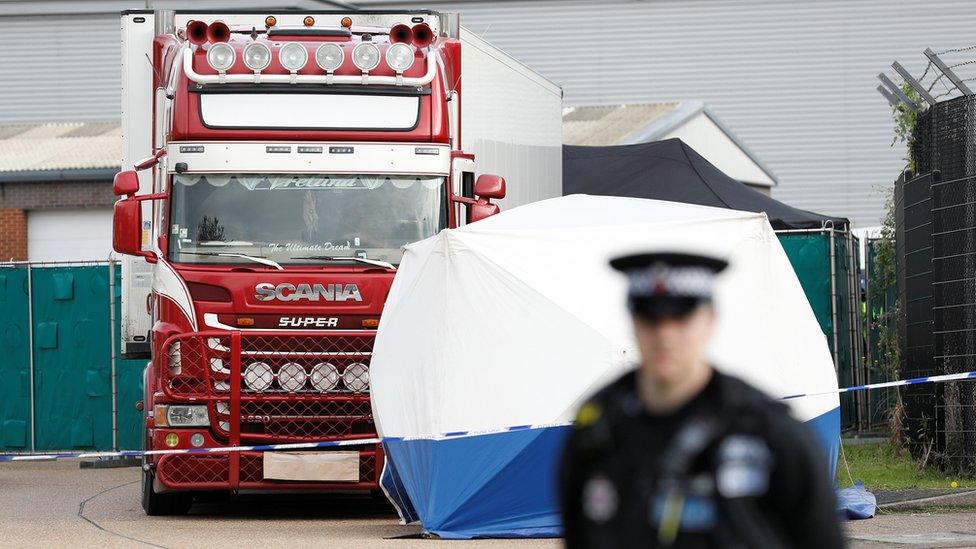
x: 453, y: 434
x: 913, y: 381
x: 218, y: 450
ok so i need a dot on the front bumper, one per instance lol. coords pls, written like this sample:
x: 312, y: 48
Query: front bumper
x: 244, y: 471
x: 206, y: 368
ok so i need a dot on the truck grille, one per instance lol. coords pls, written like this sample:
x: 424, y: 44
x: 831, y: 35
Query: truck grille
x: 293, y: 387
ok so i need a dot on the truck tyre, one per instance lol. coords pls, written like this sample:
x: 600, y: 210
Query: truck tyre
x: 165, y: 504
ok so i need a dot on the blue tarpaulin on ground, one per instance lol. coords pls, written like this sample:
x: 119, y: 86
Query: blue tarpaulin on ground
x: 855, y: 502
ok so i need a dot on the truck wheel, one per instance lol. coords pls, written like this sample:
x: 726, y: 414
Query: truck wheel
x: 165, y: 504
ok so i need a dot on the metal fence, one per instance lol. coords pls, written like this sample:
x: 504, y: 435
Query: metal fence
x: 880, y: 327
x: 936, y: 234
x: 67, y: 385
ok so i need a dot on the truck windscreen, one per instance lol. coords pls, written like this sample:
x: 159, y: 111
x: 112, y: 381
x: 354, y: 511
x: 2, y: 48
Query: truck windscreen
x: 288, y: 218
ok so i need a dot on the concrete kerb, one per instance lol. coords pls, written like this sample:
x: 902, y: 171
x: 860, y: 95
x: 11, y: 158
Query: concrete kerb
x: 953, y: 498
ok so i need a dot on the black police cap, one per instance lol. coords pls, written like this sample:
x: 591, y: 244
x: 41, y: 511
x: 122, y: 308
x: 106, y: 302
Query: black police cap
x: 668, y: 284
x: 672, y: 259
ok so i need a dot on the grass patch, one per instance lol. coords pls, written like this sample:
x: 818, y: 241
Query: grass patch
x: 884, y: 466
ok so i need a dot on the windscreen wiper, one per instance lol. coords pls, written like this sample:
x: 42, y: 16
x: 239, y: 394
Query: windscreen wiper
x: 375, y: 262
x: 256, y: 259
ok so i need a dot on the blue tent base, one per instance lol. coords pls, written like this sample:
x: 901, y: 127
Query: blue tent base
x: 500, y: 485
x: 495, y: 485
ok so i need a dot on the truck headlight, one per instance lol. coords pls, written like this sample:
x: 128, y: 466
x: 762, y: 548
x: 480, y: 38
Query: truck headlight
x: 356, y: 377
x: 180, y: 415
x: 258, y: 376
x: 325, y: 377
x: 399, y: 57
x: 366, y: 56
x: 329, y: 56
x: 221, y: 56
x: 291, y: 377
x: 293, y: 56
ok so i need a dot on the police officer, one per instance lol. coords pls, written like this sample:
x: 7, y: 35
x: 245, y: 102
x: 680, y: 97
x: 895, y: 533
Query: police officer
x: 679, y: 454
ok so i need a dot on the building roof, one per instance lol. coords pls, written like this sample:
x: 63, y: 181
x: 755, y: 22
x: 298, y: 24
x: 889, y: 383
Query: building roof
x: 54, y: 150
x: 607, y: 125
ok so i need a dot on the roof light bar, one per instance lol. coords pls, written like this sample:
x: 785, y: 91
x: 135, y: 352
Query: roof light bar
x: 249, y: 78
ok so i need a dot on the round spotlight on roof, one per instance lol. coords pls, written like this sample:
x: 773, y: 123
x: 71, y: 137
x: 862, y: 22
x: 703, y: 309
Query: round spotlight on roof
x: 221, y: 56
x: 366, y: 56
x: 293, y: 56
x: 399, y: 56
x: 257, y: 56
x: 329, y: 56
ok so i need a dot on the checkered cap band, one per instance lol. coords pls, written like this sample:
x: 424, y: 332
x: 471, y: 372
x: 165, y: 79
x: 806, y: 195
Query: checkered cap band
x: 663, y: 280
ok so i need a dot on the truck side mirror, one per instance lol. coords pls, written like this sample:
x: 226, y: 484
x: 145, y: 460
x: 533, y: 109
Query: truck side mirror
x: 126, y: 183
x: 489, y: 186
x: 127, y: 228
x: 481, y: 209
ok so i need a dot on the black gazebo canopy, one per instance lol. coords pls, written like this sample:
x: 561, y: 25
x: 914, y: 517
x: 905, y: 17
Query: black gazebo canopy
x: 671, y: 170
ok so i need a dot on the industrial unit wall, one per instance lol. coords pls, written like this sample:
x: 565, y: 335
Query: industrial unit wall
x: 827, y: 270
x: 70, y: 389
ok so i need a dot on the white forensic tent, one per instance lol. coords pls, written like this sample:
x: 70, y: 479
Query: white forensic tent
x: 494, y: 333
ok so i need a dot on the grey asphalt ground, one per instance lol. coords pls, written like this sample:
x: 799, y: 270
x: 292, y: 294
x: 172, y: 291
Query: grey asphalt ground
x: 56, y: 504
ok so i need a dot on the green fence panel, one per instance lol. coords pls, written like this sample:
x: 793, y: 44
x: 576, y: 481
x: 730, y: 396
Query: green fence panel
x: 128, y: 374
x: 72, y: 359
x: 14, y: 360
x: 809, y: 254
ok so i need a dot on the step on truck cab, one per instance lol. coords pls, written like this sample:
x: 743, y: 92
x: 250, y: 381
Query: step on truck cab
x: 275, y: 164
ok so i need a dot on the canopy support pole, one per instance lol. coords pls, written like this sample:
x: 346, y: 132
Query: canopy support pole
x: 833, y: 297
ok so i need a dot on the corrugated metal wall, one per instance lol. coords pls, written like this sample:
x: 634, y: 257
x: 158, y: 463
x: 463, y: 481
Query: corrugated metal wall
x: 795, y: 81
x: 59, y: 67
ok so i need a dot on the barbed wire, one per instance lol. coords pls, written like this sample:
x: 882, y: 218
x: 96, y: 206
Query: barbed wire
x: 970, y: 62
x: 939, y: 78
x: 954, y: 50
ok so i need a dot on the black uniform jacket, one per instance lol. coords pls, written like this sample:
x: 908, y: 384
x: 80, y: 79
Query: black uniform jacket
x: 730, y: 468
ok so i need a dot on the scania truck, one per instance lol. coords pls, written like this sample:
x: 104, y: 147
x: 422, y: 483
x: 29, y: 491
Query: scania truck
x: 275, y: 163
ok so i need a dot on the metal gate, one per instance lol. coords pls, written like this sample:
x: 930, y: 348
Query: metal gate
x: 64, y: 385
